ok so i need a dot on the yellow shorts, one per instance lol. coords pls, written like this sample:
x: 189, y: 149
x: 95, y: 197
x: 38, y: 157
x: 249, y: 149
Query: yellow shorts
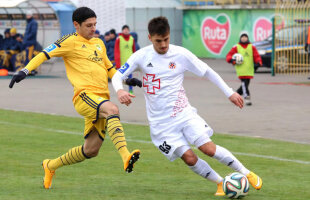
x: 87, y: 105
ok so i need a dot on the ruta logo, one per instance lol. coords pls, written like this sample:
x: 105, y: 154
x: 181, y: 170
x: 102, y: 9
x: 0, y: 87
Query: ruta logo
x: 215, y: 33
x: 263, y: 28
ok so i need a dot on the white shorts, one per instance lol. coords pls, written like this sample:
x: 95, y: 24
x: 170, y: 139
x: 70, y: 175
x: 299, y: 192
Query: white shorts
x: 173, y: 139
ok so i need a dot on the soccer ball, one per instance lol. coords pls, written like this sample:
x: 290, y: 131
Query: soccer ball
x: 238, y: 57
x: 236, y: 185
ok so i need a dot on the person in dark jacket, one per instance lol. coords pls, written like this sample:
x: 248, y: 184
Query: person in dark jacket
x: 30, y: 36
x: 135, y: 37
x: 18, y: 44
x: 7, y: 39
x: 110, y: 46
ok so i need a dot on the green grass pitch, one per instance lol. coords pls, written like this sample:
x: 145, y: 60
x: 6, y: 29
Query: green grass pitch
x: 28, y: 138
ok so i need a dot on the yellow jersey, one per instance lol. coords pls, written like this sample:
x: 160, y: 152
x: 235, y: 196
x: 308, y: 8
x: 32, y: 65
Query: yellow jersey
x: 86, y: 61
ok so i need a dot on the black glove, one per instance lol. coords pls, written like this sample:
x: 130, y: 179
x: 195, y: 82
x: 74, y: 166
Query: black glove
x: 134, y: 82
x: 306, y: 47
x: 17, y: 77
x: 233, y: 61
x: 256, y: 65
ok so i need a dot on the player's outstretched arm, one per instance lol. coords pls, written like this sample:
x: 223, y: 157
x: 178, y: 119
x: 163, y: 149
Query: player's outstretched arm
x: 236, y: 99
x: 32, y: 65
x: 123, y: 96
x: 18, y: 76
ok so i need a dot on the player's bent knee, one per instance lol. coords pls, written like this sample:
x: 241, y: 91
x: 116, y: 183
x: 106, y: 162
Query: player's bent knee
x: 208, y: 149
x: 113, y: 110
x: 190, y: 158
x: 108, y: 109
x: 91, y: 152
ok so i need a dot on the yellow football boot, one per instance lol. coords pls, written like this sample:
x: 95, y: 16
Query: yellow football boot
x: 220, y: 191
x: 48, y: 175
x: 255, y: 180
x: 132, y: 158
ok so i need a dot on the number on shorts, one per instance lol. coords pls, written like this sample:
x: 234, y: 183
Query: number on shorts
x: 165, y: 147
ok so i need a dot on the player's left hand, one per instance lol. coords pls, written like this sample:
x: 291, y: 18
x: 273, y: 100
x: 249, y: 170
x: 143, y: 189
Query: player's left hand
x: 134, y: 82
x: 18, y: 76
x: 124, y: 97
x: 236, y: 99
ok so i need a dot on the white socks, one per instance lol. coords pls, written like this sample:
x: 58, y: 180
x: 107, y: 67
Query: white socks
x: 203, y: 169
x: 225, y: 157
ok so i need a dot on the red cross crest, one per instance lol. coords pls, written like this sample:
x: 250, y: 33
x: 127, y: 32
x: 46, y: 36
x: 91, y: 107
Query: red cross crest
x: 151, y: 83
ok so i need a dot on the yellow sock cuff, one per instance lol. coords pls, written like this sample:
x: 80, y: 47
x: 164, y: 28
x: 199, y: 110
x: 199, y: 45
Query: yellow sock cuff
x: 74, y: 155
x: 117, y: 135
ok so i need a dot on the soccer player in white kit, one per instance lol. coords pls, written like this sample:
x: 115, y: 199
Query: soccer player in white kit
x: 174, y: 123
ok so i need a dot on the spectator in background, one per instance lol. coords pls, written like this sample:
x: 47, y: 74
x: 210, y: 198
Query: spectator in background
x: 123, y: 49
x: 106, y: 38
x: 13, y: 37
x: 4, y: 55
x: 7, y: 39
x: 110, y: 46
x: 97, y: 34
x: 30, y: 36
x: 135, y: 37
x: 1, y: 41
x: 245, y: 70
x: 18, y: 44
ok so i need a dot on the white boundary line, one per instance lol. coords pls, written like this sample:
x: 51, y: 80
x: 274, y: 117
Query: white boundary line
x: 149, y: 142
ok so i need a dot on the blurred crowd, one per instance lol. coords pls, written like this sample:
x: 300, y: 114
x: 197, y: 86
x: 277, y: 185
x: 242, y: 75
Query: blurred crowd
x: 16, y: 49
x: 109, y: 38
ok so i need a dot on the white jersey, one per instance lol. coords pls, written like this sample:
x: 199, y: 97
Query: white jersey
x: 163, y: 76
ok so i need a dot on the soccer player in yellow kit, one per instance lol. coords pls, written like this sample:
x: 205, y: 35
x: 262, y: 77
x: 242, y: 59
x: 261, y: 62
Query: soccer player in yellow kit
x: 88, y: 69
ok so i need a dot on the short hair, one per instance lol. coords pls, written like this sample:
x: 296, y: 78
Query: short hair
x: 125, y: 26
x: 82, y: 14
x: 159, y: 26
x: 112, y: 31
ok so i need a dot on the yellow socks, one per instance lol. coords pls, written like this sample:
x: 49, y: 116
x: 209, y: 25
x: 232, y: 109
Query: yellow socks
x: 117, y: 135
x: 74, y: 155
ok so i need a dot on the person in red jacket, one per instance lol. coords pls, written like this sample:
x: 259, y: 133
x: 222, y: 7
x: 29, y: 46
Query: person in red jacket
x: 245, y: 70
x: 124, y: 47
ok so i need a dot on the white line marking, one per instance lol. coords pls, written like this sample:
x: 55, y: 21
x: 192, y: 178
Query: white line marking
x: 149, y: 142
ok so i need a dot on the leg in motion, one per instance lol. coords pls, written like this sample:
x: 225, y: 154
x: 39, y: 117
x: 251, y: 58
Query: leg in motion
x: 203, y: 169
x: 117, y: 135
x: 227, y: 158
x: 75, y: 155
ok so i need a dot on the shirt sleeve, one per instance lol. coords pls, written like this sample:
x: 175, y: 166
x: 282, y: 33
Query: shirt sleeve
x: 131, y: 65
x: 200, y: 68
x: 194, y: 64
x: 219, y: 82
x: 58, y: 49
x: 36, y: 62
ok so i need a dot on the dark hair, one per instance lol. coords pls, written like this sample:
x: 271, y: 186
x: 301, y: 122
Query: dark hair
x: 83, y: 13
x: 159, y: 26
x: 112, y: 31
x: 125, y: 26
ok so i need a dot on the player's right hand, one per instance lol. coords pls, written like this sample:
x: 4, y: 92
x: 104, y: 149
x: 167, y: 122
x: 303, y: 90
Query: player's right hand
x: 124, y: 97
x: 18, y: 76
x: 236, y: 99
x: 233, y: 61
